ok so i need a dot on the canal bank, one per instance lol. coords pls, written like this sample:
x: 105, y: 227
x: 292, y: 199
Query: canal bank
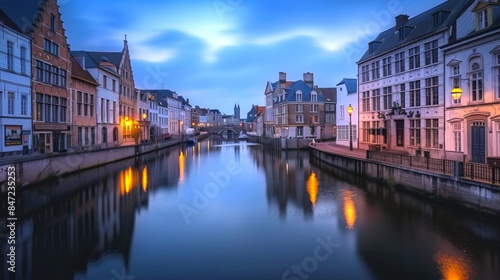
x: 449, y: 188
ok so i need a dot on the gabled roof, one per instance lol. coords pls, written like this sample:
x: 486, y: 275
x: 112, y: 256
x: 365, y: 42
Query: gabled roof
x: 21, y: 11
x: 8, y: 22
x: 94, y: 61
x: 78, y: 72
x: 329, y: 94
x: 350, y: 84
x: 290, y: 92
x: 422, y: 25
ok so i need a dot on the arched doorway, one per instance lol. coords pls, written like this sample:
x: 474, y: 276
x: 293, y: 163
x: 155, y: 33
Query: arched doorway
x: 104, y: 133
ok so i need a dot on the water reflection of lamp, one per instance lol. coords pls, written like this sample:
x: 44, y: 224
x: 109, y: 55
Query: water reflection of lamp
x: 452, y: 267
x: 145, y: 178
x: 312, y: 188
x: 349, y: 208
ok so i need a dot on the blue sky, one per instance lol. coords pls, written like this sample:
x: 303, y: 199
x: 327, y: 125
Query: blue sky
x: 221, y: 52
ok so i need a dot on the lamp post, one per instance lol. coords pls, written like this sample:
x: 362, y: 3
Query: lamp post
x: 144, y: 122
x: 349, y: 111
x: 180, y: 135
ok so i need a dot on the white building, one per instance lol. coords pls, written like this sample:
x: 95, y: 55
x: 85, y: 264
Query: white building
x: 347, y: 95
x: 402, y: 86
x: 472, y: 64
x: 15, y: 90
x: 155, y: 130
x: 105, y: 73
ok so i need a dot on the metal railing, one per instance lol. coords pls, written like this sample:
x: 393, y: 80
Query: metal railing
x: 431, y: 164
x: 481, y: 172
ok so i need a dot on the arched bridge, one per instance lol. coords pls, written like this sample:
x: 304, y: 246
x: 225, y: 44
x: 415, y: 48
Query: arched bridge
x: 234, y: 129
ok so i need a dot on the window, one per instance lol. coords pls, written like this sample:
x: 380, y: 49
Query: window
x: 482, y: 19
x: 386, y: 67
x: 298, y: 96
x: 365, y: 131
x: 365, y: 74
x: 415, y: 94
x: 300, y: 131
x: 114, y: 84
x: 498, y: 82
x: 10, y: 55
x: 51, y: 47
x: 104, y: 81
x: 399, y: 59
x: 39, y: 107
x: 343, y: 132
x: 366, y: 101
x: 387, y: 93
x: 10, y: 103
x: 431, y: 52
x: 80, y: 136
x: 342, y: 112
x: 63, y: 110
x: 314, y: 97
x: 79, y: 103
x: 46, y: 73
x: 376, y: 99
x: 457, y: 136
x: 375, y: 70
x: 299, y: 108
x: 402, y: 95
x: 52, y: 22
x: 91, y: 113
x: 432, y: 133
x: 314, y: 108
x: 415, y: 133
x: 299, y: 118
x: 23, y: 60
x: 24, y: 105
x: 431, y: 91
x: 85, y: 104
x: 477, y: 86
x: 414, y: 57
x: 87, y: 140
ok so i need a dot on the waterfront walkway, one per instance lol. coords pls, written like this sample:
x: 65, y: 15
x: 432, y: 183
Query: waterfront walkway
x: 334, y: 148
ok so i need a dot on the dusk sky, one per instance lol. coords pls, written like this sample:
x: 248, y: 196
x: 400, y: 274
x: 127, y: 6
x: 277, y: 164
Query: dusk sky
x: 222, y: 52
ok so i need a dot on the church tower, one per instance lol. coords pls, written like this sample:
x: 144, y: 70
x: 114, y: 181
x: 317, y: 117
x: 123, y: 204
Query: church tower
x: 237, y: 111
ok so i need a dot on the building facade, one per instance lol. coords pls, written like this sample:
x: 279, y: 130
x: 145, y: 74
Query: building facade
x: 472, y: 65
x: 347, y: 125
x: 402, y: 86
x: 15, y: 90
x: 50, y: 69
x: 83, y: 107
x: 329, y: 117
x: 298, y: 109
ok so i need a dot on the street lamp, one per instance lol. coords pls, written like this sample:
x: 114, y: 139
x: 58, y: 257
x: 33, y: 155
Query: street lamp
x: 349, y: 111
x: 180, y: 125
x: 456, y: 93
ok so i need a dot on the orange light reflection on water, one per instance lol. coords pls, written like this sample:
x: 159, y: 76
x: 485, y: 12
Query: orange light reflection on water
x: 182, y: 162
x: 349, y: 208
x: 452, y: 267
x: 145, y: 178
x: 312, y: 188
x: 126, y: 181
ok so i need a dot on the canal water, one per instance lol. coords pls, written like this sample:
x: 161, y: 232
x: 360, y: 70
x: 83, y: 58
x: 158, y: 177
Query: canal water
x: 234, y: 210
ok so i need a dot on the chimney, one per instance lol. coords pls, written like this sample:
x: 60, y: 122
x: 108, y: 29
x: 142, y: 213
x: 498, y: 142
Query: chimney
x: 401, y: 20
x: 309, y: 79
x: 187, y: 100
x: 282, y: 79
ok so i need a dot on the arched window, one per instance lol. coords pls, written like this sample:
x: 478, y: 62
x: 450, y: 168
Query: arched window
x: 476, y: 78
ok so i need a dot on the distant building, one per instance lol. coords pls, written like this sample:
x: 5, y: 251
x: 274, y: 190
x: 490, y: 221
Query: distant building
x: 251, y: 120
x: 329, y: 117
x: 347, y: 95
x: 15, y: 90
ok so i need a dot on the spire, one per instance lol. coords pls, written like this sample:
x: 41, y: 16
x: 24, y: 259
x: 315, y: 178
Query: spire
x: 125, y: 43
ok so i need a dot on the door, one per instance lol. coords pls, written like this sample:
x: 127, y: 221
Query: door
x: 400, y: 133
x: 478, y: 142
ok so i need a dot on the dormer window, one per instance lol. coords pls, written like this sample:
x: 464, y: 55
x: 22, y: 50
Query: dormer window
x: 298, y: 96
x: 482, y: 19
x: 405, y: 31
x: 314, y: 97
